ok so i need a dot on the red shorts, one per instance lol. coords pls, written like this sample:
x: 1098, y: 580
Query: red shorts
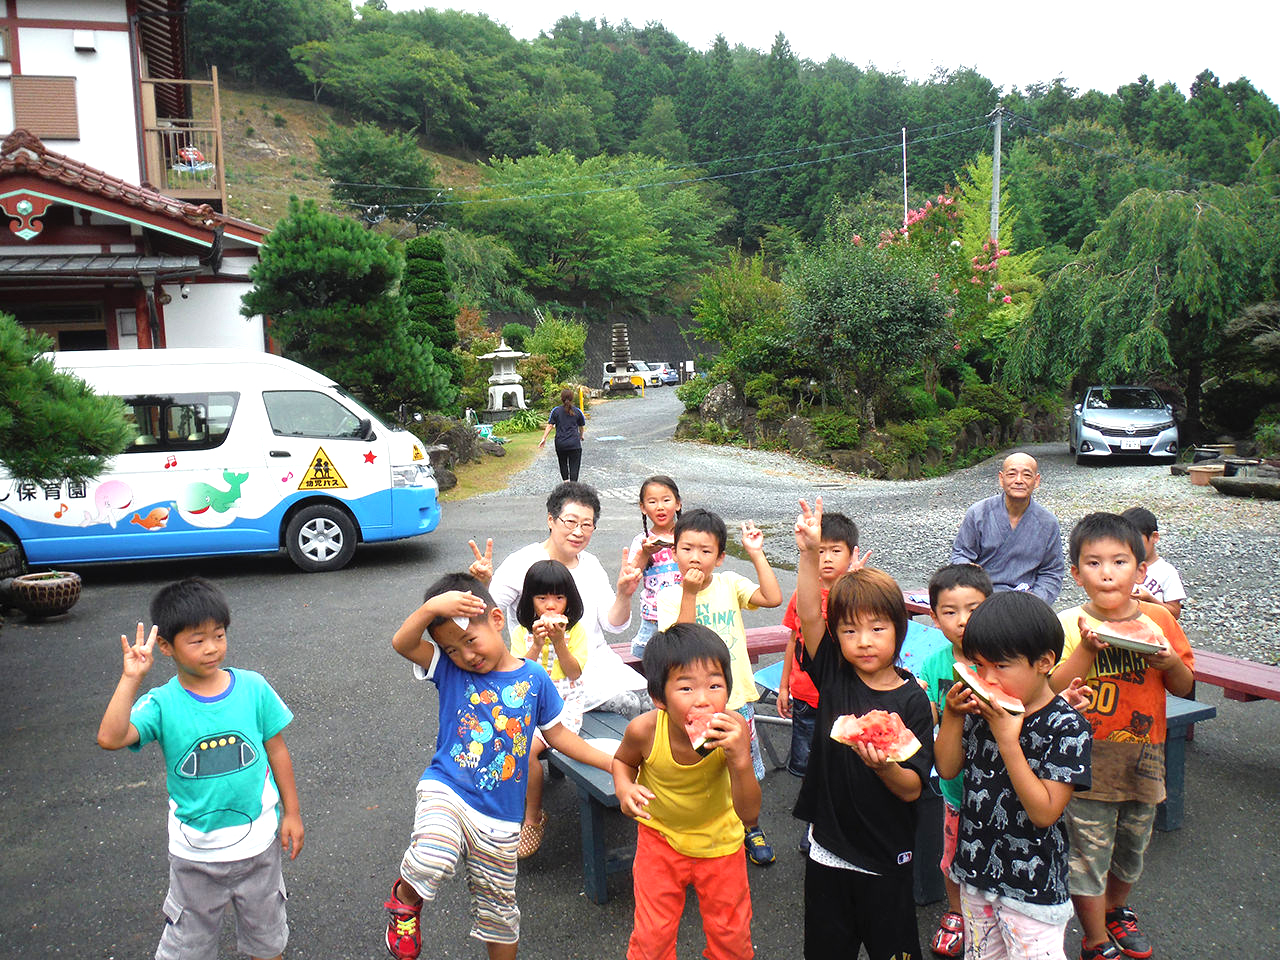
x: 661, y: 875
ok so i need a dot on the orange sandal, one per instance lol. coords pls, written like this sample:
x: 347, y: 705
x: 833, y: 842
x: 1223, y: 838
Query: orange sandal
x: 531, y: 837
x: 948, y: 940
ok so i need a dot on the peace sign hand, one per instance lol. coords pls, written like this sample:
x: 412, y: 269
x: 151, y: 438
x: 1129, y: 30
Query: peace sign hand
x: 139, y: 657
x: 752, y: 537
x: 629, y: 576
x: 809, y: 526
x: 482, y: 567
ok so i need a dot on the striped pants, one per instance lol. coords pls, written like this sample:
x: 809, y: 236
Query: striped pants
x: 444, y: 834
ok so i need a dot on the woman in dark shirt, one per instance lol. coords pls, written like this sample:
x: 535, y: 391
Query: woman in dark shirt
x: 569, y: 425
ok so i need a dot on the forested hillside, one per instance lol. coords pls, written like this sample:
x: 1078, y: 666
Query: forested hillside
x: 607, y: 169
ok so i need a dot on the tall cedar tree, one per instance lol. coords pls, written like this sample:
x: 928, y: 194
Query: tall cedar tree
x: 329, y: 289
x: 52, y: 426
x: 432, y: 311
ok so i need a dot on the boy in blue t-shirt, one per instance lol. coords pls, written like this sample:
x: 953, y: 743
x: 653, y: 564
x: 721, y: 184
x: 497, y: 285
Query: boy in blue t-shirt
x: 228, y: 772
x: 471, y: 796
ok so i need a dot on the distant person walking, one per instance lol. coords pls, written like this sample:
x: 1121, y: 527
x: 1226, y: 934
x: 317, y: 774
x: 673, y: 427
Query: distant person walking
x: 570, y: 425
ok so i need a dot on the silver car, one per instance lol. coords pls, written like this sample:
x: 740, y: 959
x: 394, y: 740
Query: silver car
x: 1121, y: 421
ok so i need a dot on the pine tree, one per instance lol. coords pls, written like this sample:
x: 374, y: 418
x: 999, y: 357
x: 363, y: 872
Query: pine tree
x: 431, y: 308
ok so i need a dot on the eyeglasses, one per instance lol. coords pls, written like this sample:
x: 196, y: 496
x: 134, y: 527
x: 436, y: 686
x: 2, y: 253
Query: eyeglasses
x: 586, y: 526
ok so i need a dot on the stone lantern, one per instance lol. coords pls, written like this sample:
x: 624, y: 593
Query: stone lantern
x: 506, y: 393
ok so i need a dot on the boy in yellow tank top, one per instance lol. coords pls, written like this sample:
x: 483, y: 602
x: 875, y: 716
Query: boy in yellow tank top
x: 689, y: 803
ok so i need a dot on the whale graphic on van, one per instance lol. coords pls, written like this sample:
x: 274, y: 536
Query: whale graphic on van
x: 199, y: 497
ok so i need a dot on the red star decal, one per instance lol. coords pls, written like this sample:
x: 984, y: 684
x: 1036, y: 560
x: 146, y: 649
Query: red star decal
x: 370, y: 457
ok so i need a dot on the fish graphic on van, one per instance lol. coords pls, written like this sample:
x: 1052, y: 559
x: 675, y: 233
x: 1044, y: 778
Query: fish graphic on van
x: 112, y: 500
x: 199, y: 497
x: 155, y: 520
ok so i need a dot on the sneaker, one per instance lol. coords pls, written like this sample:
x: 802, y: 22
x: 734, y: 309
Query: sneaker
x: 1122, y: 924
x: 1104, y: 951
x: 759, y: 851
x: 404, y: 928
x: 948, y: 939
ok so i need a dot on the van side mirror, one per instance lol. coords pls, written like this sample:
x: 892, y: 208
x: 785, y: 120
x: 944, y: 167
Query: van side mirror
x: 366, y: 429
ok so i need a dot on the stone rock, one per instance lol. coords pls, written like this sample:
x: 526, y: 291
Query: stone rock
x: 688, y: 427
x: 1024, y: 431
x: 800, y: 436
x: 446, y: 479
x: 856, y: 461
x: 492, y: 449
x: 723, y: 405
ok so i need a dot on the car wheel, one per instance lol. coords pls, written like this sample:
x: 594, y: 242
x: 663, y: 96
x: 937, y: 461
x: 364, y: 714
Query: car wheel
x: 320, y: 538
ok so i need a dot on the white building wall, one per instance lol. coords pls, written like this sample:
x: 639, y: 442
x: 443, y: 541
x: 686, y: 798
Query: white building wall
x: 210, y: 317
x: 104, y: 95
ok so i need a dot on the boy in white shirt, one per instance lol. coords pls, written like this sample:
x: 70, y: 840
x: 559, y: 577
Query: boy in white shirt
x: 1161, y: 583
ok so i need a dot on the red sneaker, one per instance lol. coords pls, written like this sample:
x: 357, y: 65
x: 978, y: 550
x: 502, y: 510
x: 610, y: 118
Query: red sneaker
x: 1122, y: 924
x: 404, y: 928
x: 948, y: 940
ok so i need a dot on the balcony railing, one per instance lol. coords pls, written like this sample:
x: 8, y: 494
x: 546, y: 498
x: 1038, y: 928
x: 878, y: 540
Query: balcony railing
x: 183, y: 155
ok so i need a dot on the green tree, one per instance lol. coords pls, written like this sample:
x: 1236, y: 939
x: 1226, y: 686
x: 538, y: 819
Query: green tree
x: 52, y: 426
x: 484, y: 272
x: 562, y: 342
x: 330, y: 291
x: 432, y: 311
x: 743, y: 309
x: 370, y: 167
x: 660, y: 134
x: 1150, y: 293
x: 250, y: 40
x: 865, y: 315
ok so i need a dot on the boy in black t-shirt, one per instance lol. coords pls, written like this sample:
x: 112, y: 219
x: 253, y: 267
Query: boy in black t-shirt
x: 1019, y: 772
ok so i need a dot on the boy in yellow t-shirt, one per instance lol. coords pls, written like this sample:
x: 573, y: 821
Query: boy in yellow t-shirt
x: 1110, y: 825
x: 689, y: 802
x: 716, y: 600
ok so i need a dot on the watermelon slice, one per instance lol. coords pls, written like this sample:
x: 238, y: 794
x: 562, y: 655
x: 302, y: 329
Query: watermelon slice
x: 877, y: 728
x: 967, y: 674
x: 1131, y: 635
x: 696, y: 725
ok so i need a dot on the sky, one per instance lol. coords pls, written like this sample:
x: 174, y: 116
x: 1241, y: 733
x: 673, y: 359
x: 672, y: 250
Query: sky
x: 1093, y: 45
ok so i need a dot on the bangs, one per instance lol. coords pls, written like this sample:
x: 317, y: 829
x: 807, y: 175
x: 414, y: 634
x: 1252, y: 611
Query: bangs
x: 868, y: 592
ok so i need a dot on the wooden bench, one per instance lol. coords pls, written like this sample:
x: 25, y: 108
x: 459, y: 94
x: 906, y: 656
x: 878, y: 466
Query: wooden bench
x: 761, y: 641
x: 1240, y: 680
x: 1180, y: 714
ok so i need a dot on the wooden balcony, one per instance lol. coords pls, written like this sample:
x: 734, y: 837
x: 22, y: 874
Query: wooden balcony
x: 183, y: 155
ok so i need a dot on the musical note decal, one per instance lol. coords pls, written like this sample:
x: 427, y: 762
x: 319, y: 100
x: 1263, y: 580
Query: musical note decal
x: 58, y: 513
x: 170, y: 461
x: 286, y: 479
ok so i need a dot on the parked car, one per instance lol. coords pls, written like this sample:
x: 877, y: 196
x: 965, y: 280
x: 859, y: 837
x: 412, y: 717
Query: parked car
x: 670, y: 375
x: 1122, y: 421
x: 634, y: 368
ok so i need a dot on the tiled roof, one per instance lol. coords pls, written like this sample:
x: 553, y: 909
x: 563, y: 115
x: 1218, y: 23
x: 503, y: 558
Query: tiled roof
x: 23, y: 152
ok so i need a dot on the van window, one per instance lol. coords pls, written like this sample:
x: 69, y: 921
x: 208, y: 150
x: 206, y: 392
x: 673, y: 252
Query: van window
x: 181, y: 421
x: 306, y: 413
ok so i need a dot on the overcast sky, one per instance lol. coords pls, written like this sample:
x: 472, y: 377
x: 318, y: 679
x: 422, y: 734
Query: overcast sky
x: 1092, y: 44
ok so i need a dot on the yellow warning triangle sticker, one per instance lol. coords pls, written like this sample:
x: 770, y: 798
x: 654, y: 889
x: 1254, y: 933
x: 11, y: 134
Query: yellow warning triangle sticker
x: 322, y: 474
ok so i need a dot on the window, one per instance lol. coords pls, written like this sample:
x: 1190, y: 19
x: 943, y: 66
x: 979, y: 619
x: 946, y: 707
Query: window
x: 305, y: 413
x: 46, y: 106
x: 187, y: 421
x: 4, y: 45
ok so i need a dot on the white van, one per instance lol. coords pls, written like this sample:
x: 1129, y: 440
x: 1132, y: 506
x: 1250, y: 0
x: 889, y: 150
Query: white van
x: 235, y: 452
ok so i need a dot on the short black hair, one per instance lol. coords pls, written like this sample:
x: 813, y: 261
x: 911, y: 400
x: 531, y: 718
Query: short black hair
x: 571, y: 491
x: 185, y: 605
x: 1010, y: 625
x: 1143, y: 519
x: 678, y: 646
x: 955, y: 575
x: 702, y: 521
x: 1105, y: 526
x: 868, y: 592
x: 548, y: 576
x: 463, y: 582
x: 837, y: 528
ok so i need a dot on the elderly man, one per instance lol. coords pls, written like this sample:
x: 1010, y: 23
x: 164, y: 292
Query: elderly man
x: 1012, y: 537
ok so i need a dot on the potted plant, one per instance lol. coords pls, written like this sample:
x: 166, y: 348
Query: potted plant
x: 41, y: 595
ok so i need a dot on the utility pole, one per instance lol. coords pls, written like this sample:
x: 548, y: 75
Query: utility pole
x: 904, y: 178
x: 998, y: 113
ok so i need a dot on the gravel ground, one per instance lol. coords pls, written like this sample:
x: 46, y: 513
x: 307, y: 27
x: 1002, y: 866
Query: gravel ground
x: 1224, y: 547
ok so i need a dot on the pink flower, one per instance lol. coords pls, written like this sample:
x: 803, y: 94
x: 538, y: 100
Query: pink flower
x: 956, y: 347
x: 954, y: 291
x: 1008, y: 299
x: 998, y: 286
x: 857, y: 240
x: 975, y: 280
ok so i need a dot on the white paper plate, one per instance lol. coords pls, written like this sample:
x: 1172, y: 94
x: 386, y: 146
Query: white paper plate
x: 605, y: 744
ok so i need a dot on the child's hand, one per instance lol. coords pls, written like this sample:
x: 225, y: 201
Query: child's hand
x: 1166, y: 659
x: 482, y: 567
x: 139, y: 657
x: 752, y: 537
x: 961, y: 700
x: 694, y: 580
x: 291, y: 834
x: 784, y: 704
x: 1005, y: 726
x: 873, y: 757
x: 629, y: 576
x: 634, y: 801
x: 651, y: 545
x: 1142, y: 593
x: 457, y: 603
x: 1078, y: 695
x: 549, y: 629
x: 809, y: 526
x: 1090, y: 638
x: 857, y: 562
x: 724, y: 730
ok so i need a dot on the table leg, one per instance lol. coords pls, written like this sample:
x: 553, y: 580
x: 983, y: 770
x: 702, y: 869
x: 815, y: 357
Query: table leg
x: 1169, y: 814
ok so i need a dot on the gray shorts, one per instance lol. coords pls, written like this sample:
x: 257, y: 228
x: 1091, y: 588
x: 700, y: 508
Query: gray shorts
x: 199, y: 894
x: 1106, y: 837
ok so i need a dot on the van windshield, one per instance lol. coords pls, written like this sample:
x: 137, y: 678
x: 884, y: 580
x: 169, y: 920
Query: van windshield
x: 377, y: 420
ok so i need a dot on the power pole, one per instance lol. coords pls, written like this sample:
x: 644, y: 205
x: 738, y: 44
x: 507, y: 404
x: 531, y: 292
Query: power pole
x: 904, y: 178
x: 998, y: 113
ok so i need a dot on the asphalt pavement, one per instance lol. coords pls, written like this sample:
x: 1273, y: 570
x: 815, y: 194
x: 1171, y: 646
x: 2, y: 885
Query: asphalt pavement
x: 82, y: 830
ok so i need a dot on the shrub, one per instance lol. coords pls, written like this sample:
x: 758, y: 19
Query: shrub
x: 915, y: 403
x: 945, y: 398
x: 760, y: 386
x: 692, y: 392
x: 562, y: 342
x: 1266, y: 434
x: 991, y: 399
x: 712, y: 432
x: 772, y: 407
x: 539, y: 378
x: 523, y: 422
x: 279, y: 120
x: 910, y: 437
x: 838, y: 431
x: 516, y: 335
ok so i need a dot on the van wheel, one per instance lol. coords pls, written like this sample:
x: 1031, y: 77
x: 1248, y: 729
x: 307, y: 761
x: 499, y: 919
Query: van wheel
x: 320, y: 538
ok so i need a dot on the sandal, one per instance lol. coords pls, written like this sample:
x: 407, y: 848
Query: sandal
x: 531, y: 837
x: 948, y: 940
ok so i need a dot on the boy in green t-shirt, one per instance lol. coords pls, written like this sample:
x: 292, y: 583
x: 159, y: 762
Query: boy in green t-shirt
x: 955, y: 591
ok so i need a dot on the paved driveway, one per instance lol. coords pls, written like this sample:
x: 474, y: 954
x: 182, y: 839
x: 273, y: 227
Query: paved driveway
x: 83, y: 869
